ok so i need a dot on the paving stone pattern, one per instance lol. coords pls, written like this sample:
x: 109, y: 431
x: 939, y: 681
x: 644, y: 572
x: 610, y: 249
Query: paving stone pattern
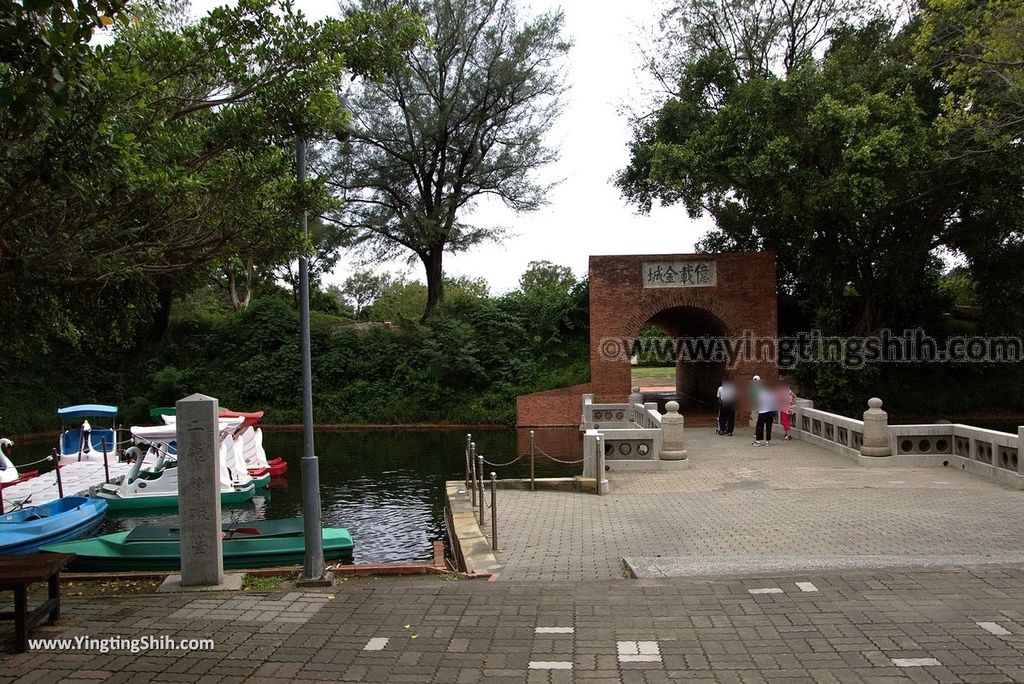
x: 858, y: 627
x: 741, y: 509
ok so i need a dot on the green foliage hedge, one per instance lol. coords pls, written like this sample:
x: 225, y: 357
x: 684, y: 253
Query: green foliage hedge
x: 466, y: 364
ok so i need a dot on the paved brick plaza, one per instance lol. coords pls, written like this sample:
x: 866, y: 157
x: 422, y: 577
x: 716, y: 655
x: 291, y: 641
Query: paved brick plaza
x: 834, y: 627
x: 740, y: 509
x: 780, y: 565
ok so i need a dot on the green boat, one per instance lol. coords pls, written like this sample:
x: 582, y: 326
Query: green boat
x: 259, y: 544
x: 131, y: 503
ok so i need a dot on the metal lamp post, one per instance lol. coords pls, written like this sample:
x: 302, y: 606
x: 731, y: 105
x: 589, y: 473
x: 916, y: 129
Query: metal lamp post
x: 313, y: 567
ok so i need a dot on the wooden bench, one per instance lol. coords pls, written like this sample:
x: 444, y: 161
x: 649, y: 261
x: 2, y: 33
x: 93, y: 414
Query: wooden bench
x: 16, y: 574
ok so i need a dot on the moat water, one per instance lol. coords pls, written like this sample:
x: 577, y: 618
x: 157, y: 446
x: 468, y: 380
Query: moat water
x: 385, y: 486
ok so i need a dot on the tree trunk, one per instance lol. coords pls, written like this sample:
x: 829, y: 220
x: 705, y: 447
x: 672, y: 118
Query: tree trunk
x: 435, y: 276
x: 162, y: 317
x: 239, y: 302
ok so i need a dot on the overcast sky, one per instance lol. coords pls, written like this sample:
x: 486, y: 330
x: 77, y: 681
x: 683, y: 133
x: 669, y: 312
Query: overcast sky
x: 586, y: 214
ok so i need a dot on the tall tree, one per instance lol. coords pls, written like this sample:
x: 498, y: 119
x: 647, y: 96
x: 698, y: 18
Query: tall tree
x: 975, y: 48
x: 173, y: 152
x: 465, y: 120
x: 759, y: 37
x: 837, y: 168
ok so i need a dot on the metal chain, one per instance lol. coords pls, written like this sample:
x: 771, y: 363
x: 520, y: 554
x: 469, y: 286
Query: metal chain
x: 47, y: 459
x: 502, y: 465
x: 558, y: 460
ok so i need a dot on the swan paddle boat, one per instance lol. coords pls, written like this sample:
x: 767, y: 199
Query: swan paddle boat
x: 248, y: 437
x: 258, y: 544
x: 83, y: 442
x: 26, y: 529
x: 156, y: 485
x: 9, y: 474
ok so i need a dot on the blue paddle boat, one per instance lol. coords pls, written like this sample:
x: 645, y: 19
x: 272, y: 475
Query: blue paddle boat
x: 81, y: 441
x: 26, y: 529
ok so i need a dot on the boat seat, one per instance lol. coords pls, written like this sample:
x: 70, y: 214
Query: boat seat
x: 267, y: 528
x: 35, y: 513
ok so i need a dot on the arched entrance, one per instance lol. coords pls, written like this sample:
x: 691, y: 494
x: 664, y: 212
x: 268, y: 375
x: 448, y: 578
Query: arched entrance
x: 689, y: 334
x: 690, y: 297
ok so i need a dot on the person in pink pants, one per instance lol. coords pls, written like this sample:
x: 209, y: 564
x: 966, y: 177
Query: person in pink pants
x: 787, y: 407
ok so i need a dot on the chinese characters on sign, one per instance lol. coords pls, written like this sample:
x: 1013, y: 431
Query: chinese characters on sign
x: 689, y: 273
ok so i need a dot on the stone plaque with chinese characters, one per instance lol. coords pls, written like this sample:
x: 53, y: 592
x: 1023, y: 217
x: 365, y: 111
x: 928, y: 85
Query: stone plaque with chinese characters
x: 685, y: 273
x: 202, y: 557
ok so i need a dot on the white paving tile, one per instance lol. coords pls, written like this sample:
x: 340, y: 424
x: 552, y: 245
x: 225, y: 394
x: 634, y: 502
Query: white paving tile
x: 550, y: 665
x: 916, y: 662
x: 555, y: 630
x: 766, y: 590
x: 806, y: 586
x: 376, y: 644
x: 638, y: 652
x: 993, y: 628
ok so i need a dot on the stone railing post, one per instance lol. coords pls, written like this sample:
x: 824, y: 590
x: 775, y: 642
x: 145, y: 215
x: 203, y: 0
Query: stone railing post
x: 601, y: 477
x: 590, y: 438
x: 635, y: 397
x: 672, y: 448
x: 876, y: 430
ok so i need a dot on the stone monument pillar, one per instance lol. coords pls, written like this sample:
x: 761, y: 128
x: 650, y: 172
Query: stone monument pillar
x: 202, y: 556
x: 672, y: 448
x: 876, y: 430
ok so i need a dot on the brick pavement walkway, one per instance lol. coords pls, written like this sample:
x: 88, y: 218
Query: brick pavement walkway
x: 952, y: 625
x: 742, y: 509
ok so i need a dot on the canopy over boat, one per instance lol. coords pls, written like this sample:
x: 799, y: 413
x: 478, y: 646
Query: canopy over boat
x: 249, y: 418
x: 87, y: 410
x: 151, y: 434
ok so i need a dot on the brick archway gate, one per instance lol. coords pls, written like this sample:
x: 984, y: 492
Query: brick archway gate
x: 685, y: 295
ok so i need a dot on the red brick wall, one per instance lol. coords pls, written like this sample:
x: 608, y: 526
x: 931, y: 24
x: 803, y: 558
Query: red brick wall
x: 562, y: 406
x: 743, y: 299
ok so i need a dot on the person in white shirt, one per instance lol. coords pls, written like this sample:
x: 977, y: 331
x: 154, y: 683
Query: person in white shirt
x: 726, y: 408
x: 765, y: 402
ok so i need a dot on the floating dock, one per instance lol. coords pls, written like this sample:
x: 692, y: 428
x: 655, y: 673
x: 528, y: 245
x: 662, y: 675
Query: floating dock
x: 78, y: 478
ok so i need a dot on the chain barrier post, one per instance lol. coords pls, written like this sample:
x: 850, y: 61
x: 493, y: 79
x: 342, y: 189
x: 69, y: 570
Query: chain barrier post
x: 472, y: 472
x: 106, y: 465
x: 480, y: 473
x: 599, y: 443
x: 494, y: 511
x: 469, y: 440
x: 533, y: 444
x: 60, y: 483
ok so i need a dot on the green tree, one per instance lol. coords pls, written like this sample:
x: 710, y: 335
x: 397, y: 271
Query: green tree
x: 544, y: 276
x: 172, y: 155
x: 976, y: 49
x: 466, y: 119
x: 43, y: 45
x: 838, y: 168
x: 362, y: 288
x: 759, y: 37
